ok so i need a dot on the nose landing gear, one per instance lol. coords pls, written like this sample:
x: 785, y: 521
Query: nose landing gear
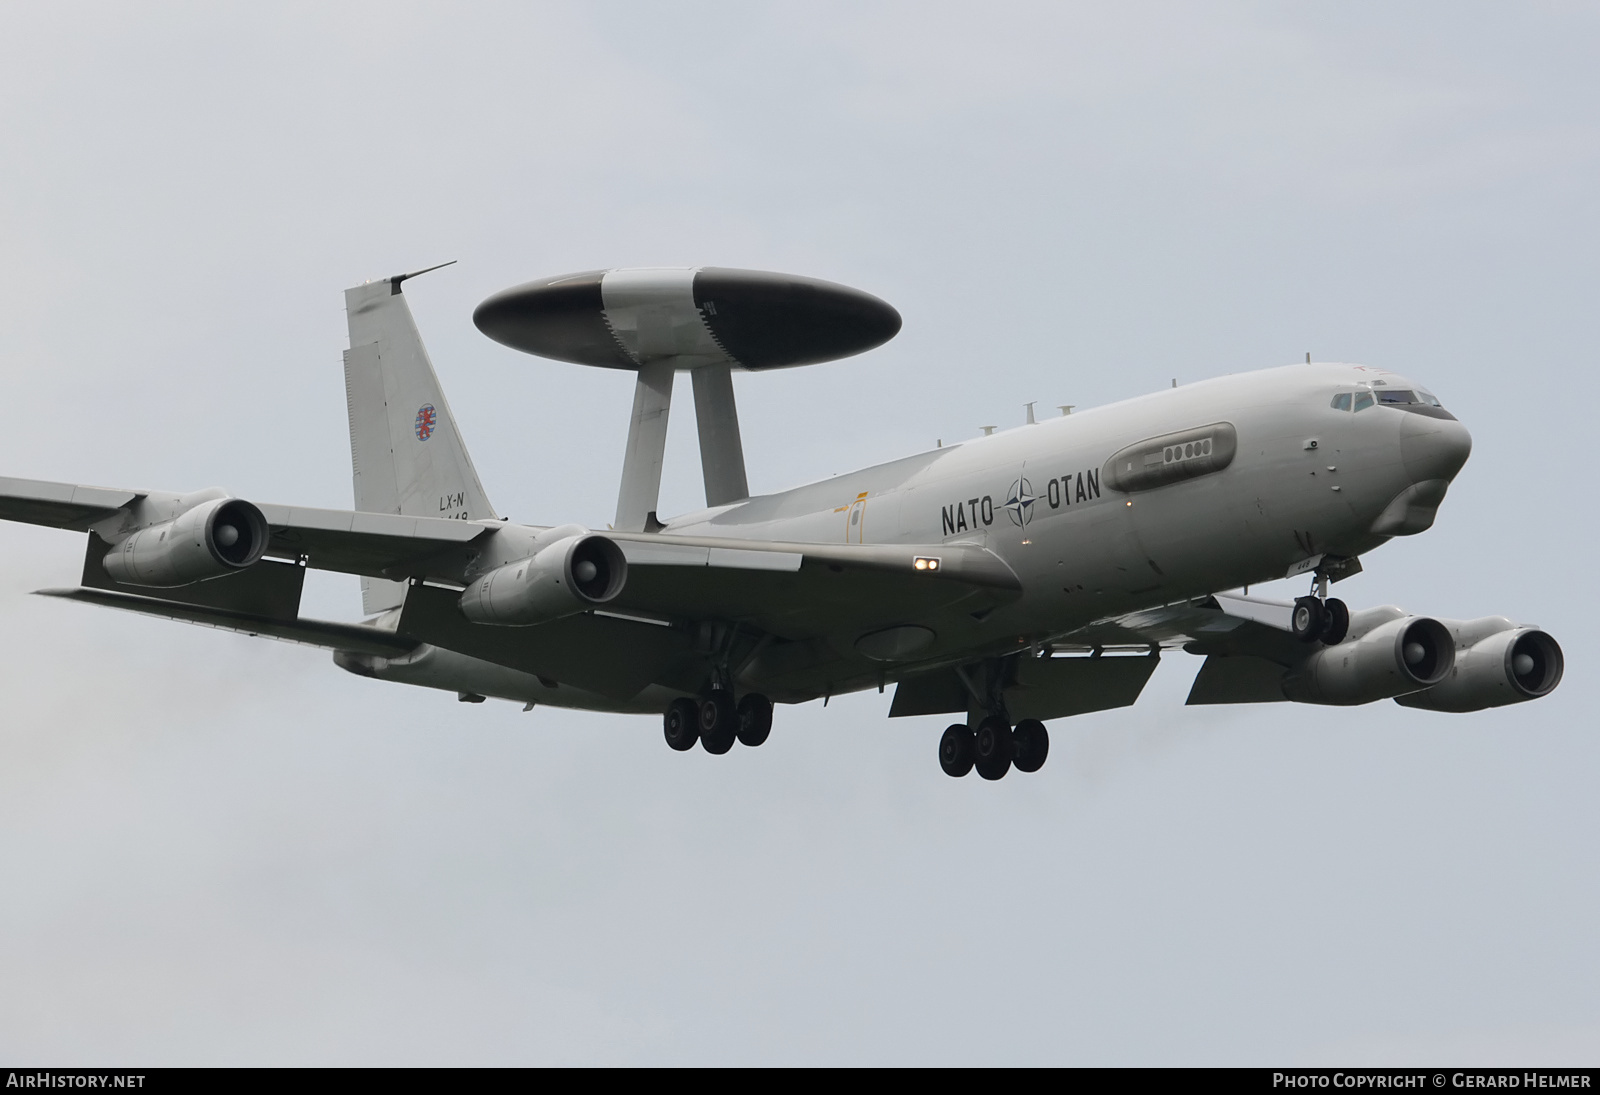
x: 1318, y: 617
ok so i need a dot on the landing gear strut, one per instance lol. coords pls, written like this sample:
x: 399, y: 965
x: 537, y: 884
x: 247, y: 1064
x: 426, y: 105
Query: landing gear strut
x: 995, y: 747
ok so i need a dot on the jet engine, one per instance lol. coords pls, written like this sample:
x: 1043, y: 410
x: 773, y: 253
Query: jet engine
x: 205, y: 541
x: 1404, y: 655
x: 1513, y: 665
x: 564, y: 578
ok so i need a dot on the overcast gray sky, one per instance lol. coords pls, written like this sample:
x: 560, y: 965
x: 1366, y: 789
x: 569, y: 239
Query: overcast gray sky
x: 223, y: 850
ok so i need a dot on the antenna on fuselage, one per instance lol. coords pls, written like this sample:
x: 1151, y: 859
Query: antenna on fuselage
x: 1065, y: 408
x: 1031, y: 420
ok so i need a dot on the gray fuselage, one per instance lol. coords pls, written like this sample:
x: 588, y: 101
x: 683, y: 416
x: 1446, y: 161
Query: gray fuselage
x: 1287, y: 471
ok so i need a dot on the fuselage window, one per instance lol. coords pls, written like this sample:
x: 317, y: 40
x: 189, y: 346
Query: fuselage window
x: 1363, y: 400
x: 1341, y: 402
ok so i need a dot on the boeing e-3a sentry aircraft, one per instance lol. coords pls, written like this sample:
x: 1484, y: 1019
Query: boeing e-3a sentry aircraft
x: 1025, y: 576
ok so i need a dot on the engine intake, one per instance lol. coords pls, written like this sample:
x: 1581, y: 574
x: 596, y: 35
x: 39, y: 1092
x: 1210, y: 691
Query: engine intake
x: 1511, y: 666
x: 1404, y: 655
x: 206, y: 541
x: 562, y: 579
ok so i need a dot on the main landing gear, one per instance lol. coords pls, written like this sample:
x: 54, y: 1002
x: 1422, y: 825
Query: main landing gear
x: 716, y: 722
x: 994, y: 748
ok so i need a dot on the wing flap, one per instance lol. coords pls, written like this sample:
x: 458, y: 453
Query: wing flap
x: 605, y: 654
x: 357, y: 638
x: 1225, y: 624
x: 269, y: 590
x: 1237, y: 679
x: 1055, y: 688
x: 1041, y: 688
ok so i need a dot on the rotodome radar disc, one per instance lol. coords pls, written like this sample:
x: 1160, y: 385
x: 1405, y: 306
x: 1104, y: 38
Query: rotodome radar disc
x: 750, y: 319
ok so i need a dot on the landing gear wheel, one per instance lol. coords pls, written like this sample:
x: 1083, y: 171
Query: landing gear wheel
x: 682, y: 723
x: 1306, y: 623
x: 1030, y: 744
x: 719, y: 722
x: 755, y: 719
x: 991, y: 748
x: 1336, y: 621
x: 955, y: 750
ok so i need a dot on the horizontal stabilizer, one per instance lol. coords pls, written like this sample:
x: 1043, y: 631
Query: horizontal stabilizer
x: 357, y: 638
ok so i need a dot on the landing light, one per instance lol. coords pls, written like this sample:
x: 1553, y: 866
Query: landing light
x: 924, y: 562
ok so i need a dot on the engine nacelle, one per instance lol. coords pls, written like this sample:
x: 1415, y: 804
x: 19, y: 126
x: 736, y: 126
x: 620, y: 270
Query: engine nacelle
x: 1511, y: 666
x: 1398, y: 657
x: 206, y: 541
x: 562, y: 579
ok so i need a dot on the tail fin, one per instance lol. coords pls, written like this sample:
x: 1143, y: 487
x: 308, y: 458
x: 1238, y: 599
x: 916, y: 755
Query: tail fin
x: 407, y: 454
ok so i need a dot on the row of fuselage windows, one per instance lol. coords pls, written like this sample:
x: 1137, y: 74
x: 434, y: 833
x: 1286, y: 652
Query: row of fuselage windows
x: 1360, y: 401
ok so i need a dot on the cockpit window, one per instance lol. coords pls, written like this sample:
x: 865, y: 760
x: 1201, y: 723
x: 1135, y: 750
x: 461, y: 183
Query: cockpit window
x: 1388, y: 397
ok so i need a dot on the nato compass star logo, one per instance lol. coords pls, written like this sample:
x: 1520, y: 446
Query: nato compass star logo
x: 1019, y: 504
x: 427, y: 419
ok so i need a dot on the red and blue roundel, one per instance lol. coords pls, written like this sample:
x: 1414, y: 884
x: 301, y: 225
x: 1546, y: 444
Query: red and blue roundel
x: 427, y: 419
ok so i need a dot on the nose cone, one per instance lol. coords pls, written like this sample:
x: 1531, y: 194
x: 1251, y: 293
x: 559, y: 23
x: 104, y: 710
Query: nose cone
x: 1433, y: 448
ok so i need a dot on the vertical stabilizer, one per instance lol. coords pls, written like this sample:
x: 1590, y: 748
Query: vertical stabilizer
x: 407, y: 454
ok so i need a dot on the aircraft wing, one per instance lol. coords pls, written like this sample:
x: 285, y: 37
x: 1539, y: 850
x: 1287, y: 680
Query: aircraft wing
x: 1223, y: 622
x: 376, y: 544
x: 60, y: 505
x: 799, y: 590
x: 679, y: 576
x: 810, y: 601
